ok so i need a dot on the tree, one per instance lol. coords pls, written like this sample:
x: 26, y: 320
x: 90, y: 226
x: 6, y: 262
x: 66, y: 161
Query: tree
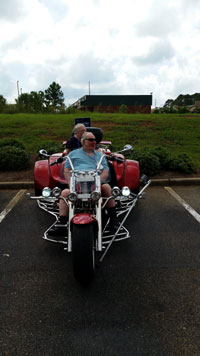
x: 2, y: 102
x: 36, y: 101
x: 168, y: 103
x: 23, y: 102
x: 54, y: 96
x: 183, y: 100
x: 30, y: 102
x: 51, y: 98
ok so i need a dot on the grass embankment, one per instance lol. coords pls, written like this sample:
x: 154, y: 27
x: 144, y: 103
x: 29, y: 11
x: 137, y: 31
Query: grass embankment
x: 177, y: 133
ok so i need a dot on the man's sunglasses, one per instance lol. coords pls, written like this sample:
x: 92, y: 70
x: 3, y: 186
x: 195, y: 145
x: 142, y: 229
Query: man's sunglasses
x: 91, y: 139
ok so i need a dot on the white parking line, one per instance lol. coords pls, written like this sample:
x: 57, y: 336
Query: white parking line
x: 183, y: 203
x: 11, y: 204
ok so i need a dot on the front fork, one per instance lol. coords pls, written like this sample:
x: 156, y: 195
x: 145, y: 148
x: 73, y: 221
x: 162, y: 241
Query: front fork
x: 99, y: 220
x: 71, y: 214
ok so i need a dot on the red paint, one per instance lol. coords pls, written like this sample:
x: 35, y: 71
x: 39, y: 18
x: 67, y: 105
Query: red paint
x: 82, y: 219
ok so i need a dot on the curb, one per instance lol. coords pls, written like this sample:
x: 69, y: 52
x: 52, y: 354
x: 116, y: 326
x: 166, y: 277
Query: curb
x: 154, y: 182
x: 16, y: 185
x: 175, y: 181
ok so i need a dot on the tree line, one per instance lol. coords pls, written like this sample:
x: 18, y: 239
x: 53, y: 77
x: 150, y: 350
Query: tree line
x: 52, y: 100
x: 49, y: 100
x: 182, y: 104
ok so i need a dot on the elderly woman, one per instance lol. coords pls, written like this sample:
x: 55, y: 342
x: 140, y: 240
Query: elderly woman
x: 75, y: 141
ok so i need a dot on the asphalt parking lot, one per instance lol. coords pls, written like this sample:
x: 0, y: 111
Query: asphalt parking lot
x: 145, y: 299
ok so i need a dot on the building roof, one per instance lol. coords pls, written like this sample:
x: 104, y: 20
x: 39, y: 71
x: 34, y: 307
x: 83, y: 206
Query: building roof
x: 94, y: 100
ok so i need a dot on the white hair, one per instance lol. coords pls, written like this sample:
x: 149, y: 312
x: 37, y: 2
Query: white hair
x: 84, y: 136
x: 77, y: 127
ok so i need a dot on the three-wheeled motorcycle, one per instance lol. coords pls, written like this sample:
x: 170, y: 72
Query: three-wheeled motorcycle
x: 87, y: 229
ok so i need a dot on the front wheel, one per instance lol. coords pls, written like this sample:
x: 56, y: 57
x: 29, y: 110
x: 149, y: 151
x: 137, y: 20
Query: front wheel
x: 83, y: 253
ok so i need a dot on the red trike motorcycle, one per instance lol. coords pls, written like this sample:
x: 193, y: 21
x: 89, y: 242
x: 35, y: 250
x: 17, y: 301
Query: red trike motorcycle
x: 87, y: 232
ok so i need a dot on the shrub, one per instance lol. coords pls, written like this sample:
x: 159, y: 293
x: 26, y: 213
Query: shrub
x: 123, y: 108
x: 182, y: 162
x: 153, y: 160
x: 14, y: 142
x: 13, y: 159
x: 71, y: 110
x: 163, y: 156
x: 50, y: 146
x: 149, y: 162
x: 10, y: 109
x: 182, y: 110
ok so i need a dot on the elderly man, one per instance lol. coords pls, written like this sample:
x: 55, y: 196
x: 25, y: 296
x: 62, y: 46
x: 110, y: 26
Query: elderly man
x: 86, y: 158
x: 75, y: 141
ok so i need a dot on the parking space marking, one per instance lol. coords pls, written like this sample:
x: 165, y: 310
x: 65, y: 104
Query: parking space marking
x: 11, y: 204
x: 184, y: 203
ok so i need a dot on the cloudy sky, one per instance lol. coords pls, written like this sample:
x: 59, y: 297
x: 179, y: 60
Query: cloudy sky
x: 119, y: 46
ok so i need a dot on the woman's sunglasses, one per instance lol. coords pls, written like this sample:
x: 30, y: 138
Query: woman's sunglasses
x: 91, y: 139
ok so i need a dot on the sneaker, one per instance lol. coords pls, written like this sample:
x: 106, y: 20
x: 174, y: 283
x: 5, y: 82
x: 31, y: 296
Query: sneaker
x: 58, y: 231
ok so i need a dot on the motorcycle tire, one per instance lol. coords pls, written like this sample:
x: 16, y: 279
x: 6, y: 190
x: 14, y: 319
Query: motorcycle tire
x: 83, y: 253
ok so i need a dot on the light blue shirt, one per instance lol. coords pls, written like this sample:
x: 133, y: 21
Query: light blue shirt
x: 82, y: 161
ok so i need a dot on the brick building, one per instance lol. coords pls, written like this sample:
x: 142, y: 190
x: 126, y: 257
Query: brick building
x: 112, y: 103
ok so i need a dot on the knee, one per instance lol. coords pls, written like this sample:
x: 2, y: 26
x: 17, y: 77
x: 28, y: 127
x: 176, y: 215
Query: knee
x: 65, y: 193
x: 106, y: 188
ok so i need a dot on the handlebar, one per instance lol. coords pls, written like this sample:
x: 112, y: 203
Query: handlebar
x: 108, y: 157
x: 99, y: 163
x: 118, y: 159
x: 57, y: 161
x: 113, y: 158
x: 62, y: 159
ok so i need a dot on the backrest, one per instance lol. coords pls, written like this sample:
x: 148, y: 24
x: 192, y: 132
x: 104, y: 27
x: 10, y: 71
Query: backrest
x: 97, y: 132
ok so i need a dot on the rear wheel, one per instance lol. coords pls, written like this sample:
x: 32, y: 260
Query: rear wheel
x: 83, y: 253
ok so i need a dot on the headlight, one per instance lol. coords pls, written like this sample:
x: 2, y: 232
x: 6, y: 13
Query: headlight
x: 95, y: 196
x: 46, y: 192
x: 126, y: 191
x: 56, y: 192
x: 72, y: 197
x: 116, y: 191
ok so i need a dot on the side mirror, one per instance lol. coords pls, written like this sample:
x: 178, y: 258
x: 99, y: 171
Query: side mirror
x: 128, y: 148
x: 43, y: 154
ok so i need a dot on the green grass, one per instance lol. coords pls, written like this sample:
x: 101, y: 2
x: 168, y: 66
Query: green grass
x: 177, y: 133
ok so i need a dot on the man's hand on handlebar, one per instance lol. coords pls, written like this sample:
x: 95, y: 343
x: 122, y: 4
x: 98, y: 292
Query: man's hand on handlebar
x: 57, y: 161
x: 113, y: 158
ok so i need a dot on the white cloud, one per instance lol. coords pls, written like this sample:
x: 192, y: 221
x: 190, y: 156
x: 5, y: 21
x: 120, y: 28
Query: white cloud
x: 160, y: 51
x: 12, y: 10
x: 129, y: 47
